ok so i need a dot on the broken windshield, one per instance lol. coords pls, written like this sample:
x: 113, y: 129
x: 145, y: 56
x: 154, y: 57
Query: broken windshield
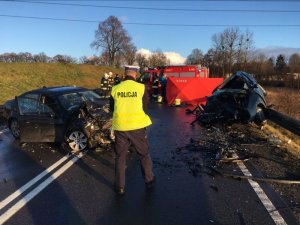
x: 71, y: 101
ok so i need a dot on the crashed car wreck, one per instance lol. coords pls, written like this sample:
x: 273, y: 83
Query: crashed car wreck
x: 72, y: 115
x: 238, y: 98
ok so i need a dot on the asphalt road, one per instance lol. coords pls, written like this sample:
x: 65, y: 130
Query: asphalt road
x: 78, y: 189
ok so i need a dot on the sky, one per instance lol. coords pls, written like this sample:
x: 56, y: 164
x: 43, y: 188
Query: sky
x: 176, y: 28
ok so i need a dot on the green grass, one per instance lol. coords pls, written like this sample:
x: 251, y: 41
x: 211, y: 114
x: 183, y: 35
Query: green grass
x: 16, y: 78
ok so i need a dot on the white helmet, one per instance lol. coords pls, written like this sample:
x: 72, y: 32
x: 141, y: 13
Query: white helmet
x: 106, y: 75
x: 110, y: 73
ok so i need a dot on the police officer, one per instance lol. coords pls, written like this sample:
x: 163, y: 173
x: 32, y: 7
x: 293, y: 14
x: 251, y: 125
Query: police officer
x: 129, y: 124
x: 104, y: 85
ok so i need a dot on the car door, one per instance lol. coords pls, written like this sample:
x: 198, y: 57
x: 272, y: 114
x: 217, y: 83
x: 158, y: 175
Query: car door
x: 51, y: 108
x: 36, y: 121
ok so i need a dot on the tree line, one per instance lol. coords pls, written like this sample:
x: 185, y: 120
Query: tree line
x: 231, y: 50
x: 26, y: 57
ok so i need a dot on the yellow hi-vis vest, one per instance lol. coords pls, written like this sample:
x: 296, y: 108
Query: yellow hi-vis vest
x: 128, y: 108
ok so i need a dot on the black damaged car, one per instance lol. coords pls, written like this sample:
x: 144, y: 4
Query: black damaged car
x: 237, y: 98
x: 74, y: 115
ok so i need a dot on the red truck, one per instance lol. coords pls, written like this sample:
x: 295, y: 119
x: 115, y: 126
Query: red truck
x: 186, y: 71
x: 172, y: 71
x: 175, y: 71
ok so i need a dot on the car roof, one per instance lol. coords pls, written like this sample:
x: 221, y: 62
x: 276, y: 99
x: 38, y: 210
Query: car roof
x: 57, y: 90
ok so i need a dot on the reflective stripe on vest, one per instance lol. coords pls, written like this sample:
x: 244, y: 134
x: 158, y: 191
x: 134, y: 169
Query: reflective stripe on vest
x: 128, y: 109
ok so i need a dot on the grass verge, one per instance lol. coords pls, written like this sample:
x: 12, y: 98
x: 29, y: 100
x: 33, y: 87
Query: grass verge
x: 16, y: 78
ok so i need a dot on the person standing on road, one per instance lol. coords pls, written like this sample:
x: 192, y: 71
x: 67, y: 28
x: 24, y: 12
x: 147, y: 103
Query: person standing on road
x: 163, y: 83
x: 129, y: 124
x: 155, y: 86
x: 104, y: 85
x: 110, y: 82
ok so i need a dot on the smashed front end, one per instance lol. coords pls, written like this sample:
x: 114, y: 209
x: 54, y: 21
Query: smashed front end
x: 96, y: 123
x: 238, y: 99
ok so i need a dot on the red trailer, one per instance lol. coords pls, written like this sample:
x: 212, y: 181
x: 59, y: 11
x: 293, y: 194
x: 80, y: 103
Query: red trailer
x: 191, y: 90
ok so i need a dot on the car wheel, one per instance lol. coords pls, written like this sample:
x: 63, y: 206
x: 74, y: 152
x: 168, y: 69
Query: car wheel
x: 77, y: 140
x: 260, y: 116
x: 15, y: 128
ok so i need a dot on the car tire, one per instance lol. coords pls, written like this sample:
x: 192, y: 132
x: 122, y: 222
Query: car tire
x: 14, y: 128
x: 77, y: 141
x: 260, y: 117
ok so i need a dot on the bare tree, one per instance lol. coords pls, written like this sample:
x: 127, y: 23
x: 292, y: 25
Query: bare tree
x: 195, y: 58
x: 219, y: 51
x: 92, y: 60
x: 25, y: 57
x: 294, y: 65
x: 64, y: 59
x: 247, y: 46
x: 111, y: 37
x: 41, y: 57
x: 129, y: 53
x: 158, y: 58
x: 231, y: 48
x: 231, y: 41
x: 141, y: 61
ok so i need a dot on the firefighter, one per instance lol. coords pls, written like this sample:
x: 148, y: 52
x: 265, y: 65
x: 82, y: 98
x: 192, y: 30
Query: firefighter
x: 127, y: 103
x: 104, y: 85
x: 155, y: 85
x: 110, y: 82
x: 163, y: 83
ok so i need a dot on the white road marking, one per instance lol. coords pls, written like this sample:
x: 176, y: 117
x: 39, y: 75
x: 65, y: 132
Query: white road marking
x: 15, y: 208
x: 277, y: 218
x: 3, y: 131
x: 32, y: 182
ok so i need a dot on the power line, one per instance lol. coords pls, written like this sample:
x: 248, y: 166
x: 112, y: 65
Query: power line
x: 155, y: 9
x: 153, y: 24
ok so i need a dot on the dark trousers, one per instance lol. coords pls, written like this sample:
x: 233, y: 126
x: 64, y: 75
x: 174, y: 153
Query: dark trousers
x: 138, y: 138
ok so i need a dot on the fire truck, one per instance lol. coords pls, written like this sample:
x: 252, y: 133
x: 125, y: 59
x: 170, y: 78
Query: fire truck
x: 180, y: 71
x: 175, y: 71
x: 186, y: 71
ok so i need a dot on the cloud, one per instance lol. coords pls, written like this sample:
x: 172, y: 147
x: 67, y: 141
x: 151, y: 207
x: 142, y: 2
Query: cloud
x: 174, y: 57
x: 144, y: 52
